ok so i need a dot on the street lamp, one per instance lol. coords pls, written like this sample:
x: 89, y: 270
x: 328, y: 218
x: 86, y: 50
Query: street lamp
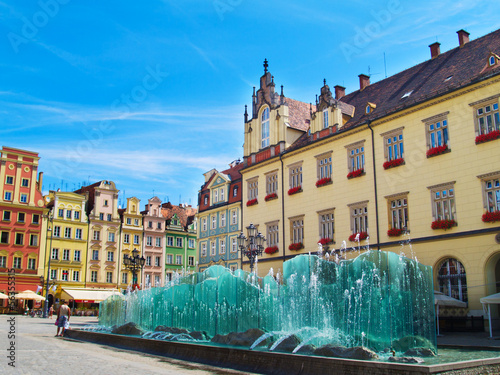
x: 49, y: 229
x: 134, y: 263
x: 252, y: 246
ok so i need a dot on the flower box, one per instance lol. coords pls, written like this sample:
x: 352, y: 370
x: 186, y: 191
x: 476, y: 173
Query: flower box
x: 325, y: 241
x: 295, y: 190
x: 491, y: 136
x: 271, y: 250
x: 443, y: 224
x: 490, y: 217
x: 324, y: 181
x: 394, y: 232
x: 393, y: 163
x: 437, y: 150
x: 362, y: 236
x: 271, y: 196
x: 252, y: 202
x: 296, y: 246
x: 356, y: 173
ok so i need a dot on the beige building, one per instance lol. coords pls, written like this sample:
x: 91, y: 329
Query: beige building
x: 412, y: 157
x: 130, y: 238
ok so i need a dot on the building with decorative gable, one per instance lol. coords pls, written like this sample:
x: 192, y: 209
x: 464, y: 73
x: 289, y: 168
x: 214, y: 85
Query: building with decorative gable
x: 180, y: 236
x: 104, y: 226
x: 219, y: 217
x: 67, y: 239
x: 22, y: 228
x: 153, y: 245
x: 131, y: 234
x: 411, y: 157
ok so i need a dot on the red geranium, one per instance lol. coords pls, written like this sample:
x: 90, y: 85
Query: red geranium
x: 323, y: 181
x: 270, y: 196
x: 356, y: 173
x: 294, y: 190
x: 362, y: 236
x: 271, y: 250
x: 393, y: 163
x: 489, y: 217
x: 495, y: 134
x: 443, y: 224
x: 394, y: 232
x: 325, y: 241
x: 437, y: 150
x: 296, y: 246
x: 251, y: 202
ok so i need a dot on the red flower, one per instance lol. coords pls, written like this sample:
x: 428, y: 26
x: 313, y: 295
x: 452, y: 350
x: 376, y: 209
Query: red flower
x: 443, y: 224
x: 270, y: 196
x: 437, y: 150
x: 296, y: 246
x: 323, y: 181
x: 294, y: 190
x: 362, y: 236
x: 394, y: 232
x: 489, y: 217
x: 355, y: 173
x: 325, y: 241
x: 495, y: 134
x: 251, y: 202
x: 393, y: 163
x: 271, y: 250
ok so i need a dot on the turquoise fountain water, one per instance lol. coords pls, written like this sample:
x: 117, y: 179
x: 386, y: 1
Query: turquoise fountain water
x: 378, y: 300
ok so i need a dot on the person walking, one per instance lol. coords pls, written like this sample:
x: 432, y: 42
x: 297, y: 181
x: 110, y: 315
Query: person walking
x: 63, y: 315
x: 51, y: 311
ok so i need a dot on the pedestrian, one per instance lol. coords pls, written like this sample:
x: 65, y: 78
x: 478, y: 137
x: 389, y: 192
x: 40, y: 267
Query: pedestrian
x: 63, y: 315
x: 51, y: 311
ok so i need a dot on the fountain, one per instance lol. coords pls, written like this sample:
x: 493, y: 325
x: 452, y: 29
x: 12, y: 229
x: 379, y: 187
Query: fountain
x: 379, y: 300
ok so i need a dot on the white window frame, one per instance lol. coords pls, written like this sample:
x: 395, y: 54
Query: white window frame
x: 265, y: 126
x: 443, y: 200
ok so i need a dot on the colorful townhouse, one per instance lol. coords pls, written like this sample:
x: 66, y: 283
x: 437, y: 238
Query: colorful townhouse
x: 219, y: 217
x: 22, y: 227
x: 414, y: 157
x: 103, y: 235
x: 153, y: 246
x: 180, y: 236
x: 130, y: 239
x: 67, y: 242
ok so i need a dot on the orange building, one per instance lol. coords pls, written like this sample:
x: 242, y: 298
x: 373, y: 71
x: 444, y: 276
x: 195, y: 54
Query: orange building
x: 22, y: 228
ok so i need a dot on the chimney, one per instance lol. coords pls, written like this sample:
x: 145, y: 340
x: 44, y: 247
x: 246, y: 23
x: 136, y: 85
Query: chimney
x: 463, y: 37
x: 435, y: 50
x: 364, y: 81
x: 339, y: 92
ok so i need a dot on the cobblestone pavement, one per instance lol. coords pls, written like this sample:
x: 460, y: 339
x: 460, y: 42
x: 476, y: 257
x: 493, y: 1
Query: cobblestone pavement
x: 37, y: 351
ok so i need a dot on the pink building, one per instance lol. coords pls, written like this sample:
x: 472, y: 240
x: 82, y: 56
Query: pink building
x: 153, y: 244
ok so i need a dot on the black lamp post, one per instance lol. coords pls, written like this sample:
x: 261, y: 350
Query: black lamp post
x: 49, y: 254
x: 252, y: 246
x: 134, y: 263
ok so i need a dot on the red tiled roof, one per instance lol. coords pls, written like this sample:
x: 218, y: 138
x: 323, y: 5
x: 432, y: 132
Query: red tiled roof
x: 299, y: 114
x: 185, y: 214
x: 465, y: 65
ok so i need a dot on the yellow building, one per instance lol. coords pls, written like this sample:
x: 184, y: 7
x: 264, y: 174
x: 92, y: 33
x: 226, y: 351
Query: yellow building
x: 104, y: 225
x: 130, y: 238
x: 67, y: 239
x: 412, y: 157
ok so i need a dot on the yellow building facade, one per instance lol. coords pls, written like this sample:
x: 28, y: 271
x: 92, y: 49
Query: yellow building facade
x: 67, y: 239
x: 409, y: 164
x: 130, y: 238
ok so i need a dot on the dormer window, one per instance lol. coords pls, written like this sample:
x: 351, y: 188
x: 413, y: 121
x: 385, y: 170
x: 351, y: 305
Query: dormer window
x: 370, y: 107
x: 492, y: 60
x: 265, y: 127
x: 205, y: 200
x: 325, y: 118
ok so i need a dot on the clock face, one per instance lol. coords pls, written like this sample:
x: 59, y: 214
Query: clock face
x: 40, y: 203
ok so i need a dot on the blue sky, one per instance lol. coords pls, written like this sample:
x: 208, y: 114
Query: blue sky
x: 151, y: 94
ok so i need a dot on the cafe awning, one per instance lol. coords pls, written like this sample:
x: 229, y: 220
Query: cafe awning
x: 88, y: 295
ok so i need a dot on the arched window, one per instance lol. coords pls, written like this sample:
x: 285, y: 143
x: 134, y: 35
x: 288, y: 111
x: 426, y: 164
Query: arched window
x: 452, y: 280
x: 265, y: 127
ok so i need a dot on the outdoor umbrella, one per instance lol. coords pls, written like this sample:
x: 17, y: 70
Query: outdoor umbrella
x: 4, y: 296
x: 488, y: 300
x: 29, y: 294
x: 441, y: 299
